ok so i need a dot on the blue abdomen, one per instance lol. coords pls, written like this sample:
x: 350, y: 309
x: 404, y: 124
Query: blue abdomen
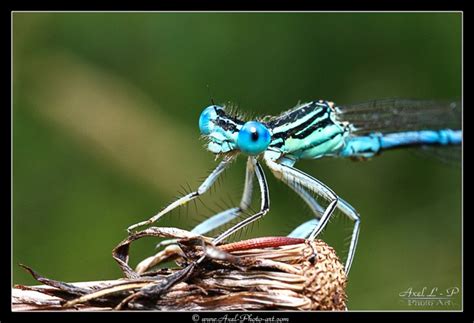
x: 368, y: 146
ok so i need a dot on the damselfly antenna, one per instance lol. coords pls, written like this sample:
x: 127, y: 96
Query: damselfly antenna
x: 210, y: 94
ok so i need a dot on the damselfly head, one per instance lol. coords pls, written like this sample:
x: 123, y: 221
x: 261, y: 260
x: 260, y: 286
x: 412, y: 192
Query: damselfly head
x: 226, y: 133
x: 219, y: 129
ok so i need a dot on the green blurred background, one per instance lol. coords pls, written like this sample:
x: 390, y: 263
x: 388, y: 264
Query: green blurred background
x: 105, y: 131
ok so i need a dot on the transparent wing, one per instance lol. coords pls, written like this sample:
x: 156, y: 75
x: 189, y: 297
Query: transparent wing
x: 395, y: 115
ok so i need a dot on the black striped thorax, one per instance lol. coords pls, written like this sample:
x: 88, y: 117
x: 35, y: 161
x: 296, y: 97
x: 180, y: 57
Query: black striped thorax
x: 303, y: 129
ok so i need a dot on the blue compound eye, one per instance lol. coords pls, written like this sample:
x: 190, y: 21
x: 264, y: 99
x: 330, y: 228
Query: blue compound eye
x: 253, y: 138
x: 209, y: 114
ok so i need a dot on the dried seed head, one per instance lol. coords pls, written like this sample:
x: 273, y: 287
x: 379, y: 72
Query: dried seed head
x: 302, y: 276
x: 269, y: 273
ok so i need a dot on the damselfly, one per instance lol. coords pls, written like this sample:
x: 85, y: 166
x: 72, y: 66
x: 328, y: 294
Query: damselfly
x: 309, y: 131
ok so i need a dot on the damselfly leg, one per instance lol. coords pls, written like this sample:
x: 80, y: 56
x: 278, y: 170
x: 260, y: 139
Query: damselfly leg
x: 290, y: 175
x: 204, y: 187
x: 264, y: 206
x: 230, y: 214
x: 253, y: 168
x: 352, y: 214
x: 305, y: 229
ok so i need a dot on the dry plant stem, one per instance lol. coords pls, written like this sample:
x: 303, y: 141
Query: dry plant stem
x: 269, y: 273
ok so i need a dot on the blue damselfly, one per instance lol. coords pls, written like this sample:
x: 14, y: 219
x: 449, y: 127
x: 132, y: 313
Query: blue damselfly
x: 310, y: 131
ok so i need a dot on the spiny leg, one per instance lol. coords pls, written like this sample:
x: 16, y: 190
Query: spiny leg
x: 264, y: 207
x: 305, y: 229
x: 289, y: 174
x: 208, y: 182
x: 352, y: 214
x: 225, y: 216
x: 213, y: 222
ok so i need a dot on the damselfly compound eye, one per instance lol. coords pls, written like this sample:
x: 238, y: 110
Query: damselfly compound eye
x: 253, y: 138
x: 207, y: 116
